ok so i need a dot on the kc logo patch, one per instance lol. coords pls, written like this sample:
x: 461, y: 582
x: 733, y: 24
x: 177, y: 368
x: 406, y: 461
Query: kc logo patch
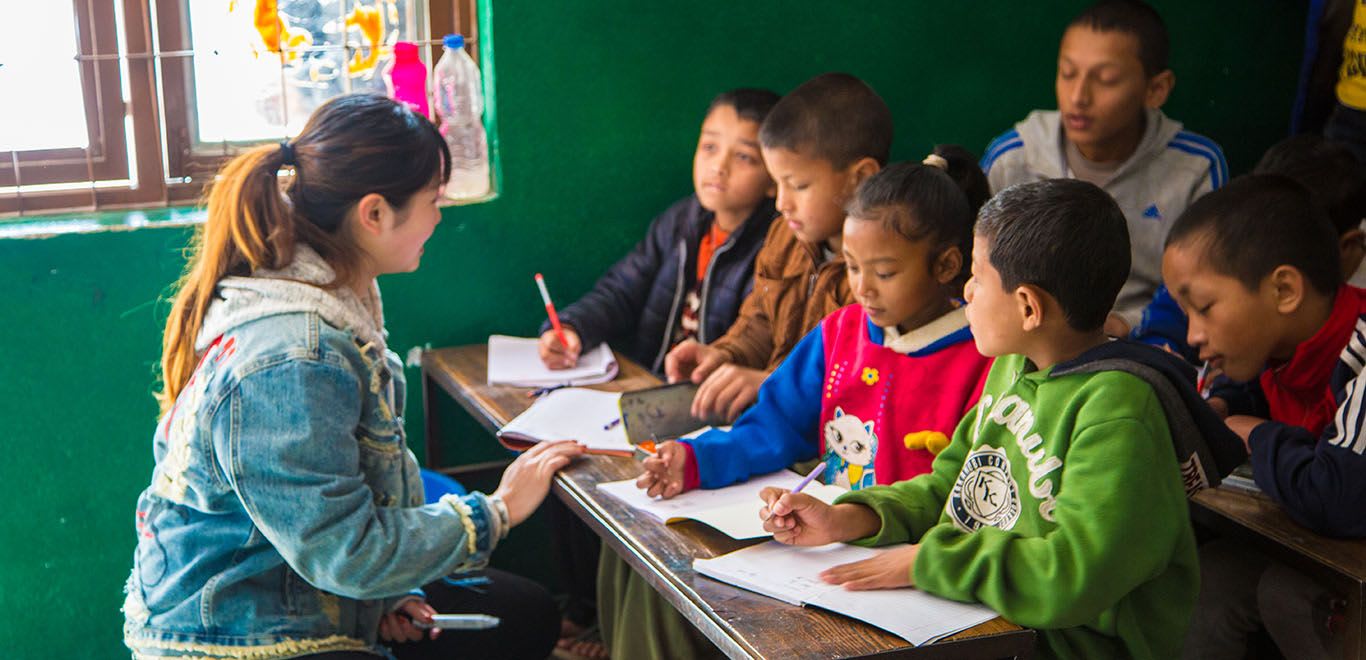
x: 985, y: 493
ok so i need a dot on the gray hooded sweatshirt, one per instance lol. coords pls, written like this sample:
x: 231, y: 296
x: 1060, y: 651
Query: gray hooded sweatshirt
x: 1168, y: 171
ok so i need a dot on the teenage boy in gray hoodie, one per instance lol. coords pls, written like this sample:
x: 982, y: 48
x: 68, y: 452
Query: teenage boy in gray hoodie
x: 1109, y: 130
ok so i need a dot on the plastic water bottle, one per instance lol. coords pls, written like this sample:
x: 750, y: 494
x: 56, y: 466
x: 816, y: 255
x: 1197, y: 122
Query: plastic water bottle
x: 408, y: 79
x: 459, y: 100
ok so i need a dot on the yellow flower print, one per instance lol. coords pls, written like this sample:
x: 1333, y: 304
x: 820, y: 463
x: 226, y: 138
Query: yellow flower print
x: 869, y: 376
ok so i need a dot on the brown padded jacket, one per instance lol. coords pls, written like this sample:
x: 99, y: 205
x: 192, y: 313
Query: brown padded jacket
x: 794, y: 288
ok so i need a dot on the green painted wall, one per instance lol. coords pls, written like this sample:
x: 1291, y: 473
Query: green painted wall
x: 598, y: 104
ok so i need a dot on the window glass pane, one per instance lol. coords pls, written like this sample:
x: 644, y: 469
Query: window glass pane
x: 260, y: 71
x: 40, y: 81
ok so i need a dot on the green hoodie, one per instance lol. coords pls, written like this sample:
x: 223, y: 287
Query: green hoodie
x: 1058, y: 504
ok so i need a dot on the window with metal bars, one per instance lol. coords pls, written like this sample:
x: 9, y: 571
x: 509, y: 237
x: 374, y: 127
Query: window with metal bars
x: 113, y: 104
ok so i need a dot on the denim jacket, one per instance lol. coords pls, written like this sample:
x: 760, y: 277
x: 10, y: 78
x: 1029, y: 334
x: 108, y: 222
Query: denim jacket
x: 285, y: 513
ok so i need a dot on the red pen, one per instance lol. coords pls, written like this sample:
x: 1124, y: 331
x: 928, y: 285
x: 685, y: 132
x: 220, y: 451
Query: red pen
x: 550, y: 310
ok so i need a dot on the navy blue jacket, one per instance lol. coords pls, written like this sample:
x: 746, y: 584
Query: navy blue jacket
x: 635, y: 305
x: 1321, y: 481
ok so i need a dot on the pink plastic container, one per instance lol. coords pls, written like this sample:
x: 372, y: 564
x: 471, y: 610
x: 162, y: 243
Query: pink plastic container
x: 408, y: 79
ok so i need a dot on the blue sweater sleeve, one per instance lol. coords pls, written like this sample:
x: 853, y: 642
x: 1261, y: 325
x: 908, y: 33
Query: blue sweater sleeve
x: 1163, y: 324
x: 1321, y: 482
x: 779, y: 430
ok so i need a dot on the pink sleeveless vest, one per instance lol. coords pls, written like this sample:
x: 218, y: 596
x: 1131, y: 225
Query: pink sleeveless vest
x: 880, y: 409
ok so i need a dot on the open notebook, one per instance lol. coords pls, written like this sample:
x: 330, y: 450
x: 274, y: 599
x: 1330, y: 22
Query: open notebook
x: 572, y: 413
x: 791, y: 574
x: 733, y: 510
x: 516, y: 361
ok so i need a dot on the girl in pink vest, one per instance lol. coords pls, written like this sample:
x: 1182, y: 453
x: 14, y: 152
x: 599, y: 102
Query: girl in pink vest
x: 878, y: 387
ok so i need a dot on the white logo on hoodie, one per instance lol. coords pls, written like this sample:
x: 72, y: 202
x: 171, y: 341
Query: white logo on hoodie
x: 1012, y: 413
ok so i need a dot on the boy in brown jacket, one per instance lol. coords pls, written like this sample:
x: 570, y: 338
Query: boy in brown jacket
x: 820, y: 141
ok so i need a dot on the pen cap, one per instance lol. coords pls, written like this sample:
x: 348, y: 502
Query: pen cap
x: 540, y: 284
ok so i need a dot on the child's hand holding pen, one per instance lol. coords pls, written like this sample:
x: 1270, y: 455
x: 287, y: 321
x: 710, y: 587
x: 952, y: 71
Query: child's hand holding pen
x: 800, y: 519
x: 560, y: 346
x: 664, y: 471
x: 556, y: 355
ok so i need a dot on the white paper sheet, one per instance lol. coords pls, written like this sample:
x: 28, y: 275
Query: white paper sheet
x: 515, y: 361
x: 792, y: 574
x: 573, y: 413
x: 733, y: 510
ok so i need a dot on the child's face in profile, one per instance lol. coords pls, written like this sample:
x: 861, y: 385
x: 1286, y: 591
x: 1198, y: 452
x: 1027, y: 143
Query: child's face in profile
x: 1102, y: 89
x: 992, y: 311
x: 892, y: 278
x: 728, y: 169
x: 811, y: 193
x: 1234, y: 328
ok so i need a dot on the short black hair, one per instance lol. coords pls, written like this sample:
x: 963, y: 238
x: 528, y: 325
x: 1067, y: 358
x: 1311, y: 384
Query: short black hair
x: 1257, y: 223
x: 1131, y: 17
x: 1065, y: 236
x: 1327, y: 169
x: 835, y: 117
x: 750, y: 103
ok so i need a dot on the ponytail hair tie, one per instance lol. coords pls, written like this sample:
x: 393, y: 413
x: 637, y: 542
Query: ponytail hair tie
x: 287, y: 154
x: 935, y: 160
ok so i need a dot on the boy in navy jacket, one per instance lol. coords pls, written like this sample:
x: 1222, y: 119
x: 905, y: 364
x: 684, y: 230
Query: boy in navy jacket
x: 684, y: 280
x: 687, y: 277
x: 1256, y: 267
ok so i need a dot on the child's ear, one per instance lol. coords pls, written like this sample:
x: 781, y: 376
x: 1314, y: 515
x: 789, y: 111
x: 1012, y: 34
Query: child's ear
x: 370, y: 211
x: 1159, y: 88
x: 861, y: 170
x: 948, y: 265
x: 1029, y: 302
x: 1288, y: 286
x: 1352, y: 245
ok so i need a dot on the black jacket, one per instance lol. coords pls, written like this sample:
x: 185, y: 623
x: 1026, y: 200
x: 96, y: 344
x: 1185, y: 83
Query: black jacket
x: 1205, y: 448
x: 635, y: 305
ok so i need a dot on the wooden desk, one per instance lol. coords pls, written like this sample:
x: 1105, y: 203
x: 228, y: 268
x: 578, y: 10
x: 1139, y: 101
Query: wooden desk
x: 1336, y: 563
x: 741, y: 623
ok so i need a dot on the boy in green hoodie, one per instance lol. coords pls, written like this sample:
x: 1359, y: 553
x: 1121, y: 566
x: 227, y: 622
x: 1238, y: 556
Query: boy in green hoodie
x: 1059, y: 502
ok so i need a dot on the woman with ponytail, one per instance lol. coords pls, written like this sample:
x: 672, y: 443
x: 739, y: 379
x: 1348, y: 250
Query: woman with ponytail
x: 284, y: 517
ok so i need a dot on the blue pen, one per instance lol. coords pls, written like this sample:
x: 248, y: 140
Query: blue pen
x: 820, y: 467
x: 471, y: 583
x: 541, y: 391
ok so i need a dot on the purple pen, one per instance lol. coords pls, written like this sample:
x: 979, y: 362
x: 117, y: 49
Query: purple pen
x: 820, y: 467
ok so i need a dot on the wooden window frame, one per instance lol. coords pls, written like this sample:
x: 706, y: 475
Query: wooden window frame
x: 169, y: 169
